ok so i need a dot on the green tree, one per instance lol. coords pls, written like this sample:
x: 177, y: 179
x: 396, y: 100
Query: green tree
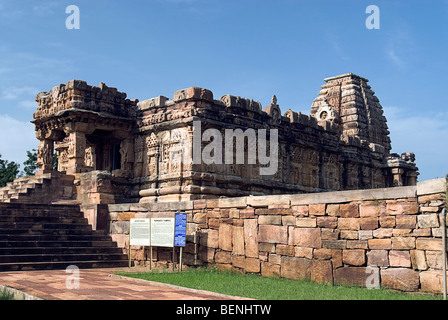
x: 8, y: 171
x: 30, y: 166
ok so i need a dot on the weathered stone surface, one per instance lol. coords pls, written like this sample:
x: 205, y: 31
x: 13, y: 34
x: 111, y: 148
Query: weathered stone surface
x: 350, y: 210
x: 400, y: 279
x: 305, y: 237
x: 378, y: 258
x: 428, y: 244
x: 251, y: 239
x: 350, y: 276
x: 432, y: 281
x: 398, y: 208
x: 428, y: 221
x: 348, y: 223
x: 354, y: 257
x: 418, y: 259
x: 225, y: 237
x: 317, y: 209
x: 238, y: 240
x: 379, y: 244
x: 270, y: 270
x: 296, y: 268
x: 273, y: 234
x: 322, y: 271
x: 399, y: 258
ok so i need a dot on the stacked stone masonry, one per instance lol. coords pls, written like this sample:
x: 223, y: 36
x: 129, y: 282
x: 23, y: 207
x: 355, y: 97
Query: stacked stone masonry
x: 390, y: 235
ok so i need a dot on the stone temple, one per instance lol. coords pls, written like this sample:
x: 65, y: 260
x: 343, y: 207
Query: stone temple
x: 122, y: 150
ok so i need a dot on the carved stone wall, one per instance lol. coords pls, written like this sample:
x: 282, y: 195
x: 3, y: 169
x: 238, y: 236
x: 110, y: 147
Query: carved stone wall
x: 344, y: 144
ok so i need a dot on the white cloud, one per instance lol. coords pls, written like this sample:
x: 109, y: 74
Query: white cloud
x: 17, y: 138
x: 426, y: 135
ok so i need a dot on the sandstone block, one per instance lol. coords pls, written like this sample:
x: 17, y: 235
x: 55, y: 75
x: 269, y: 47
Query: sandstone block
x: 406, y: 222
x: 365, y: 234
x: 301, y: 211
x: 334, y: 244
x: 270, y: 219
x: 251, y: 237
x: 399, y: 258
x: 305, y: 237
x: 209, y: 238
x: 354, y: 257
x: 285, y: 250
x: 317, y: 209
x: 302, y: 252
x: 266, y: 247
x: 428, y: 244
x: 288, y: 220
x: 349, y: 234
x: 322, y: 271
x: 333, y: 210
x: 372, y: 209
x: 400, y: 279
x: 306, y: 222
x: 428, y: 221
x: 252, y: 265
x: 270, y: 270
x: 379, y: 244
x: 368, y: 223
x: 239, y: 261
x: 387, y: 221
x: 225, y: 237
x: 432, y: 281
x: 273, y: 234
x: 356, y: 276
x: 403, y: 243
x: 322, y: 254
x: 357, y: 244
x: 418, y: 260
x: 238, y: 240
x: 399, y: 208
x: 295, y: 268
x: 223, y: 257
x: 382, y: 233
x: 350, y: 210
x: 378, y: 258
x: 348, y: 223
x: 327, y: 222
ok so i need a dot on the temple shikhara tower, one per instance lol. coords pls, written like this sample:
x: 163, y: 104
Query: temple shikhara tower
x: 122, y: 150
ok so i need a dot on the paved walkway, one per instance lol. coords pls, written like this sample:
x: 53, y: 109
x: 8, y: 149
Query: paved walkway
x: 98, y: 284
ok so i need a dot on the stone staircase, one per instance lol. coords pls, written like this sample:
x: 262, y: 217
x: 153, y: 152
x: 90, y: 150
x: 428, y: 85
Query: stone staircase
x: 44, y: 188
x: 51, y: 236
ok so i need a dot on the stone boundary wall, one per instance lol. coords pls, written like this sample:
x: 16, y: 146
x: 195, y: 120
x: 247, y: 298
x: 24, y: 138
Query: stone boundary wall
x: 391, y: 235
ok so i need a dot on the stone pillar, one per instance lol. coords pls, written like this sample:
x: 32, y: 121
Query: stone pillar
x: 76, y: 152
x: 45, y: 156
x: 397, y: 174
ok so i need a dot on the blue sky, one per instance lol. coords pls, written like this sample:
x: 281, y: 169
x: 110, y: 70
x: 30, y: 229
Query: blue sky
x: 249, y: 48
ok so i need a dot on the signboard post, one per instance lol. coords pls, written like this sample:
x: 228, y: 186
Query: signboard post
x: 180, y: 231
x: 159, y: 232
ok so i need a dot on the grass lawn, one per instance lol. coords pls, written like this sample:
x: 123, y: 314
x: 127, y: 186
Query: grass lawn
x: 257, y: 287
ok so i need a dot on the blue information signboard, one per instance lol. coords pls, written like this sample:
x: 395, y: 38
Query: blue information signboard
x: 180, y: 229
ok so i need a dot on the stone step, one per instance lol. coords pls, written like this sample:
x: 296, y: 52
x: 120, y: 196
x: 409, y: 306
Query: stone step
x: 49, y: 257
x: 45, y: 236
x: 59, y: 251
x: 43, y: 225
x: 60, y: 265
x: 38, y: 219
x: 59, y: 244
x: 55, y: 238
